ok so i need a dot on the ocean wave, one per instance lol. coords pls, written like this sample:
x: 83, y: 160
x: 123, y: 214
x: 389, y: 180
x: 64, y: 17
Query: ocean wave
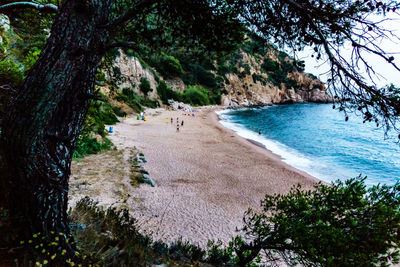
x: 288, y: 155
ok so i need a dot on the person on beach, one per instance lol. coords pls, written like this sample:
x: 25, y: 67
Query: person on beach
x: 259, y: 132
x: 172, y: 120
x: 182, y: 123
x: 177, y: 127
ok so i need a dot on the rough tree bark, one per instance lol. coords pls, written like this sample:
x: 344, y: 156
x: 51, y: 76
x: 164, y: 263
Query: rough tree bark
x: 42, y: 123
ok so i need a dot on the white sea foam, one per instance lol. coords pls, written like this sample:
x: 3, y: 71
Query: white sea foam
x: 289, y: 155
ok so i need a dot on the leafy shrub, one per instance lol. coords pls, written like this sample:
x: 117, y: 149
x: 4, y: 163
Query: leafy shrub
x: 204, y: 77
x: 259, y: 78
x: 129, y: 52
x: 170, y: 67
x: 118, y: 111
x: 135, y: 101
x: 287, y: 66
x: 165, y: 93
x: 269, y: 65
x: 11, y: 73
x: 343, y: 224
x: 196, y: 95
x: 110, y: 236
x: 255, y: 45
x: 180, y: 249
x: 100, y: 76
x: 226, y: 68
x: 87, y: 145
x: 246, y: 67
x: 145, y: 86
x: 99, y: 114
x: 277, y: 77
x: 290, y: 83
x: 31, y: 58
x: 219, y: 255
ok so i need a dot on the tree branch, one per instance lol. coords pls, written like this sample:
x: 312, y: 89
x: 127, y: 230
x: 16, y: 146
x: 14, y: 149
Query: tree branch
x: 137, y: 8
x: 47, y: 8
x: 120, y: 44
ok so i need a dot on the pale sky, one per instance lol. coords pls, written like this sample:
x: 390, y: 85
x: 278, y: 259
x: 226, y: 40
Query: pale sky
x: 383, y: 68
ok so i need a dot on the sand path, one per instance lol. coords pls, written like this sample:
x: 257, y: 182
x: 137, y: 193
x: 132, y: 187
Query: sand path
x: 206, y: 175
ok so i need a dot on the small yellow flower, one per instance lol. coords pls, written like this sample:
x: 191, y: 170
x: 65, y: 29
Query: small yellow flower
x: 22, y: 242
x: 43, y: 250
x: 29, y: 241
x: 53, y: 257
x: 45, y: 261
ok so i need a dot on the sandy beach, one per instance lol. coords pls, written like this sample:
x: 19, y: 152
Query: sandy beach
x: 206, y: 176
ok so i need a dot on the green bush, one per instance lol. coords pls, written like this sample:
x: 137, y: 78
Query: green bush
x: 99, y: 114
x: 100, y: 76
x: 135, y: 101
x: 31, y: 58
x: 226, y: 68
x: 165, y: 93
x: 259, y: 78
x: 269, y: 65
x: 87, y: 145
x: 11, y: 73
x: 277, y: 77
x: 196, y: 95
x: 290, y: 83
x: 342, y: 224
x: 287, y: 66
x: 145, y: 86
x: 170, y: 67
x: 111, y: 237
x: 118, y: 111
x: 204, y: 77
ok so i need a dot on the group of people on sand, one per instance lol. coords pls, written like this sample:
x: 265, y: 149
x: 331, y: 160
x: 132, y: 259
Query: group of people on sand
x: 180, y: 124
x: 177, y: 123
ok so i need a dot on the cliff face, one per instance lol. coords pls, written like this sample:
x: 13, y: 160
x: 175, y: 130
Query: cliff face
x: 131, y: 71
x: 250, y: 85
x: 250, y: 90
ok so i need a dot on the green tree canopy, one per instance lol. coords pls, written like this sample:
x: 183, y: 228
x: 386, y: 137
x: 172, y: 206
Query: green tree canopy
x: 343, y: 224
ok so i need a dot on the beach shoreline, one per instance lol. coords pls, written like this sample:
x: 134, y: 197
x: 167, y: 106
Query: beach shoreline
x: 207, y: 176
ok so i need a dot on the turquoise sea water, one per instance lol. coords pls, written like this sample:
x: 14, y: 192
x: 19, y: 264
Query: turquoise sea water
x: 316, y: 139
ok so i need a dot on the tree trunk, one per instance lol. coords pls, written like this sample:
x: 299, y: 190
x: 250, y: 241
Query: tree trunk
x: 43, y: 121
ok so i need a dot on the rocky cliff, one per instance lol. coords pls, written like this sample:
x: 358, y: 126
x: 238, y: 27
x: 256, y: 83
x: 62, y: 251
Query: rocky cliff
x: 250, y: 85
x: 255, y: 87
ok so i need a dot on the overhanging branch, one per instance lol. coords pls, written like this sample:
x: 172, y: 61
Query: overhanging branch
x: 47, y: 8
x: 121, y: 45
x: 137, y: 8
